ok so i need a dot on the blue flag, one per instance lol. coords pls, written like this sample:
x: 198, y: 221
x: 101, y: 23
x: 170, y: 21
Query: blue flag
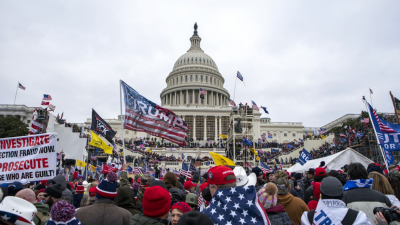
x: 265, y: 109
x: 304, y: 157
x: 183, y: 156
x: 274, y: 150
x: 290, y: 146
x: 359, y: 134
x: 388, y: 133
x: 247, y: 141
x: 389, y: 157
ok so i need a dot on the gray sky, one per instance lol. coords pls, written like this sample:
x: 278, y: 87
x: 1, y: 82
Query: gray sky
x: 307, y: 61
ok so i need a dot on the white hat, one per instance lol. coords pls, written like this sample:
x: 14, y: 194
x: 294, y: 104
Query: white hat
x: 17, y: 211
x: 242, y: 179
x: 24, y: 181
x: 85, y: 183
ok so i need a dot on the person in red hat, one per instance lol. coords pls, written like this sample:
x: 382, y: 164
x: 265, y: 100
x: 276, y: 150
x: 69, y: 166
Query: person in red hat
x: 156, y: 205
x: 219, y: 177
x: 319, y: 175
x: 177, y: 210
x: 80, y: 190
x: 189, y: 186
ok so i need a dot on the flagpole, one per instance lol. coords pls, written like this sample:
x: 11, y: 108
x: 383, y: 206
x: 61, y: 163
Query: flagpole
x: 234, y: 91
x: 377, y: 138
x: 122, y: 123
x: 15, y: 99
x: 370, y: 97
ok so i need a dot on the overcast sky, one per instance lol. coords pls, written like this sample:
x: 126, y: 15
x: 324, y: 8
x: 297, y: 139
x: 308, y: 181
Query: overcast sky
x: 307, y: 61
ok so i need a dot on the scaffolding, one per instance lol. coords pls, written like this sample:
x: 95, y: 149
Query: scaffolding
x: 241, y: 123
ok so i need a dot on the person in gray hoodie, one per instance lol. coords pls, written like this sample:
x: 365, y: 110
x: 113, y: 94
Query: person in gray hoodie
x: 66, y: 194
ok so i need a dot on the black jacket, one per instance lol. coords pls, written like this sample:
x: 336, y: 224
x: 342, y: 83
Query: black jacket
x: 308, y: 194
x: 278, y: 216
x: 177, y: 195
x: 140, y: 219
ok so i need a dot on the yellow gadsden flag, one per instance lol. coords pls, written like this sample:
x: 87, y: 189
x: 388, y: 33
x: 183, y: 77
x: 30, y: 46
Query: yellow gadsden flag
x: 80, y: 163
x: 323, y: 136
x: 258, y: 158
x: 253, y: 151
x: 223, y: 136
x: 93, y: 168
x: 221, y: 160
x: 97, y: 142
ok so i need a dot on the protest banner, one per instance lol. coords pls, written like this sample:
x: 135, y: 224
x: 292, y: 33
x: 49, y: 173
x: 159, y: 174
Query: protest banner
x: 31, y: 157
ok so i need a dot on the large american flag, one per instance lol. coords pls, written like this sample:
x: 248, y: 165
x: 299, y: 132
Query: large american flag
x: 236, y: 206
x: 185, y: 171
x: 255, y: 107
x: 239, y: 76
x: 137, y: 171
x: 203, y: 92
x: 21, y: 86
x: 46, y: 97
x: 382, y: 126
x: 231, y: 102
x: 264, y: 167
x: 144, y: 115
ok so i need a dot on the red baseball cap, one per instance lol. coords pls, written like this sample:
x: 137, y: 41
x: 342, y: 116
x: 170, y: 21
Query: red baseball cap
x: 92, y: 191
x: 189, y: 184
x: 319, y: 172
x: 203, y: 186
x: 217, y: 174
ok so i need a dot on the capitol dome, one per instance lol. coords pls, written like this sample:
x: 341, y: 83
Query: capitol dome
x: 193, y: 71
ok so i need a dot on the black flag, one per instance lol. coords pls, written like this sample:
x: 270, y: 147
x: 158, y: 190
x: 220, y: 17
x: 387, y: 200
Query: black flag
x: 101, y: 127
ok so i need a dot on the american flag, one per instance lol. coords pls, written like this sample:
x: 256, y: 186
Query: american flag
x: 236, y: 206
x: 280, y: 165
x: 152, y: 118
x: 342, y: 135
x: 239, y: 76
x: 203, y: 92
x: 364, y: 120
x: 370, y: 91
x: 185, y: 171
x: 269, y: 135
x: 46, y: 97
x: 137, y: 171
x: 51, y: 108
x: 199, y: 201
x: 255, y: 107
x: 20, y: 86
x: 249, y: 165
x: 231, y: 102
x: 45, y: 103
x: 382, y: 126
x: 175, y: 171
x: 264, y: 167
x: 192, y: 167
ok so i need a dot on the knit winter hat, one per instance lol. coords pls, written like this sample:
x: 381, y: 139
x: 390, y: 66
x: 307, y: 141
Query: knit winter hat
x: 375, y: 168
x: 394, y: 175
x: 80, y: 188
x: 268, y: 196
x: 297, y: 176
x: 62, y: 211
x: 283, y: 186
x: 195, y: 218
x: 54, y: 190
x: 331, y: 188
x: 156, y: 202
x: 40, y: 186
x: 107, y: 187
x: 183, y: 206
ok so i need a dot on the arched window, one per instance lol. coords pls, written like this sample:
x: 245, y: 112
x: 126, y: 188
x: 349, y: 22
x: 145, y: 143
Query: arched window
x: 192, y: 59
x: 181, y: 79
x: 210, y: 79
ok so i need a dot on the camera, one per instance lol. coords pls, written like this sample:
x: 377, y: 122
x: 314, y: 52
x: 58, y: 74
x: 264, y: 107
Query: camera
x: 389, y: 213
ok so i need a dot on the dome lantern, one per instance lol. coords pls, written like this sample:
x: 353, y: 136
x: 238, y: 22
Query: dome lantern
x: 195, y: 40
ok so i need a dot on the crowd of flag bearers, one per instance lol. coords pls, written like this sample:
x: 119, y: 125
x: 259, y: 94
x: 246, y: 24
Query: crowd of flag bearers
x: 221, y: 195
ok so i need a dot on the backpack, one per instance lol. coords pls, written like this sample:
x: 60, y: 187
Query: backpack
x: 348, y: 219
x: 43, y: 217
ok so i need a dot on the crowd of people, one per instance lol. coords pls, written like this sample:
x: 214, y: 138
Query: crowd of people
x: 223, y: 195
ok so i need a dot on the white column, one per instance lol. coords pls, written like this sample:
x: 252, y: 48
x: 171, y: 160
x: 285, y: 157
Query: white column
x: 220, y: 125
x: 205, y: 98
x: 218, y: 100
x: 199, y: 99
x: 212, y: 98
x: 176, y: 98
x: 194, y: 127
x: 193, y: 97
x: 205, y: 128
x: 216, y: 131
x: 181, y: 98
x: 187, y: 96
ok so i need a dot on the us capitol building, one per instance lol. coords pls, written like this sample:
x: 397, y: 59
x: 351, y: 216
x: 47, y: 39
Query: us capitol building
x: 209, y: 116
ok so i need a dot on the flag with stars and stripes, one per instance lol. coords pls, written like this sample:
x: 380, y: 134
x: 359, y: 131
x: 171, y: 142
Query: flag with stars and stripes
x: 239, y: 76
x: 231, y: 102
x: 137, y: 171
x: 264, y: 167
x: 386, y: 132
x: 202, y: 91
x: 249, y: 165
x: 255, y: 107
x: 21, y: 86
x: 185, y: 171
x: 236, y: 206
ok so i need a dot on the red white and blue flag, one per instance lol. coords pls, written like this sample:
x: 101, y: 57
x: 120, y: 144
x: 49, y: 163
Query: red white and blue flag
x: 236, y: 206
x: 231, y: 102
x: 203, y: 92
x: 255, y: 107
x: 249, y: 165
x: 21, y: 86
x: 280, y: 166
x: 137, y: 171
x: 239, y: 76
x: 264, y: 167
x: 45, y: 103
x: 46, y: 97
x: 364, y: 120
x: 144, y: 115
x: 185, y: 171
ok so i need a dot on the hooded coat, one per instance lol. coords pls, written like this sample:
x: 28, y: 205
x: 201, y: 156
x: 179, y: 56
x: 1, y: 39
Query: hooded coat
x: 126, y: 200
x: 177, y: 195
x: 66, y: 194
x: 294, y: 207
